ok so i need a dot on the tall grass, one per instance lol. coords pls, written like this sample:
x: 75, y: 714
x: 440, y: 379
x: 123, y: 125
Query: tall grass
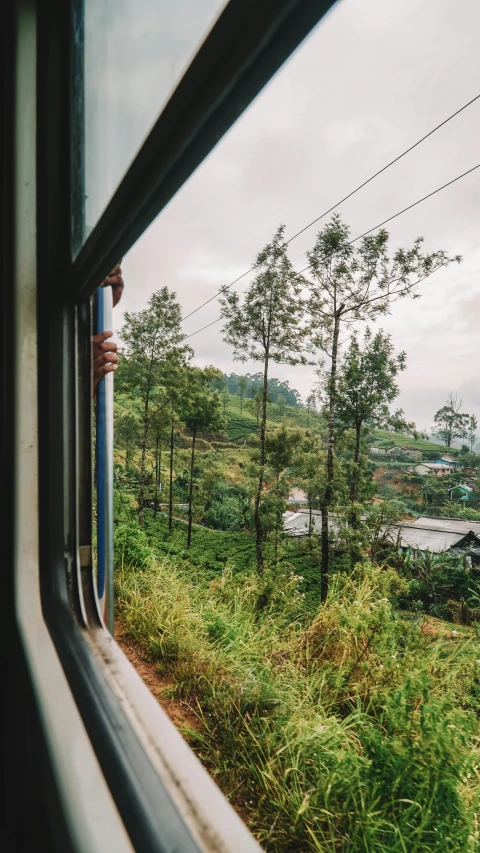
x: 355, y: 733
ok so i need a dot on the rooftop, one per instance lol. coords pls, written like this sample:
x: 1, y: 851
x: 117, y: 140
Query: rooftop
x: 297, y: 524
x: 454, y: 525
x: 427, y: 539
x: 433, y: 465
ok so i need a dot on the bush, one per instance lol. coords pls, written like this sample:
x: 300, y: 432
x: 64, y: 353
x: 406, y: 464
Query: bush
x: 353, y: 733
x: 131, y: 546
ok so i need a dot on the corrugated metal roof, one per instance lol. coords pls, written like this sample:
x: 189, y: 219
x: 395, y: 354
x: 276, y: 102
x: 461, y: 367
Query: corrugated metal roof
x: 455, y: 525
x: 426, y: 539
x: 435, y: 466
x: 297, y: 524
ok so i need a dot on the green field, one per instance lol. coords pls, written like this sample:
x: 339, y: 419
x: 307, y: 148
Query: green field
x: 383, y: 438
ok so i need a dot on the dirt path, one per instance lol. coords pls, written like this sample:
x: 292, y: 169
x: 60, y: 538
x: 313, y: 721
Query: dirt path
x: 159, y: 685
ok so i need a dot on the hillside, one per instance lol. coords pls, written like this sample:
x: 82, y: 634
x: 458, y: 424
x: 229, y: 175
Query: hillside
x: 384, y: 438
x: 242, y: 424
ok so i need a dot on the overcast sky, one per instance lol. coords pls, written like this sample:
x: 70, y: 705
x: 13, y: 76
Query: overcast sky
x: 373, y: 77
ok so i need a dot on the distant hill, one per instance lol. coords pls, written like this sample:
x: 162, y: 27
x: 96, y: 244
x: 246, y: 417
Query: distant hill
x: 384, y: 438
x: 241, y: 425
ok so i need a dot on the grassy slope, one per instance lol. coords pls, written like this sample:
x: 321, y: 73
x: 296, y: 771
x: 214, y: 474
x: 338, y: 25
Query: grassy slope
x: 354, y: 734
x: 241, y: 425
x: 384, y: 438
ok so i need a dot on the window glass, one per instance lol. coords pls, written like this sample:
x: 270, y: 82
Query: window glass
x: 135, y: 53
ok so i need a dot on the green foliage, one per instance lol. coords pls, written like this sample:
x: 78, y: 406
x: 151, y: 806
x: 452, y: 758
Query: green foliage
x: 131, y: 546
x: 151, y: 357
x: 352, y: 733
x: 367, y: 380
x: 240, y: 427
x: 267, y: 327
x: 450, y: 423
x: 437, y: 581
x: 248, y: 385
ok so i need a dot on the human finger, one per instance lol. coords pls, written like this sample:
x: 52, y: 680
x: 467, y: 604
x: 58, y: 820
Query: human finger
x: 101, y: 336
x: 105, y: 358
x: 105, y: 346
x: 100, y: 372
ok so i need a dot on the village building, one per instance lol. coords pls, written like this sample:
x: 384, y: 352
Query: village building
x: 297, y: 524
x: 378, y: 451
x: 449, y: 461
x: 298, y: 496
x: 460, y: 492
x: 457, y: 525
x: 411, y: 452
x: 417, y: 539
x: 436, y: 468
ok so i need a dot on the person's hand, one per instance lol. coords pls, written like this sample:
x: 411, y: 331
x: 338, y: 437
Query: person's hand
x: 105, y: 357
x: 115, y: 281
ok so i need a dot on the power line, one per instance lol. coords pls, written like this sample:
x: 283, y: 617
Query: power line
x: 345, y: 198
x: 383, y: 169
x: 395, y: 215
x: 217, y: 294
x: 417, y: 202
x: 203, y: 327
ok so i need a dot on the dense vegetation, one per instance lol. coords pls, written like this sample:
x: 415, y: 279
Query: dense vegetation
x: 352, y: 731
x: 335, y: 708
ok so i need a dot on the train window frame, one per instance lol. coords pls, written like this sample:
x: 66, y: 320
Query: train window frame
x: 164, y: 796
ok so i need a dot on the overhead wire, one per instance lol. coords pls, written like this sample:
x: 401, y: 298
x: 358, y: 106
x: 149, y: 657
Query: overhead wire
x: 338, y: 203
x: 365, y: 233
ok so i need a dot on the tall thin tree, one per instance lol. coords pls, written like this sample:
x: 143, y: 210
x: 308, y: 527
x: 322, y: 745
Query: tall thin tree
x: 242, y: 388
x: 201, y: 411
x: 267, y: 327
x: 349, y: 285
x: 366, y: 385
x: 148, y: 337
x: 450, y: 422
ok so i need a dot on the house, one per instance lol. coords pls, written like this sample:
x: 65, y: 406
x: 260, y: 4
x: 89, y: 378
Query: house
x: 297, y: 525
x: 298, y: 496
x: 448, y: 460
x: 412, y: 452
x: 378, y: 451
x: 416, y: 539
x: 457, y: 525
x: 461, y: 492
x: 436, y: 468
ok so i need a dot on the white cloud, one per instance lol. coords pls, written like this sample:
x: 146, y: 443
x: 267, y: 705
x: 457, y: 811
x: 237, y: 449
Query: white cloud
x: 372, y: 79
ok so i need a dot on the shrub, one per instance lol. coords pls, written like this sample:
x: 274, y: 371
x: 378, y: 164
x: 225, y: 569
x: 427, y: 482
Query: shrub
x: 353, y: 733
x: 131, y: 546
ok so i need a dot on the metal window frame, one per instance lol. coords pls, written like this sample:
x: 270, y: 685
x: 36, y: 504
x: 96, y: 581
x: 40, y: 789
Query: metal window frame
x: 154, y: 793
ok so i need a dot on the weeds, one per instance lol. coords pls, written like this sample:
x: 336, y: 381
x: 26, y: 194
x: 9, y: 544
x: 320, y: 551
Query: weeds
x: 352, y: 733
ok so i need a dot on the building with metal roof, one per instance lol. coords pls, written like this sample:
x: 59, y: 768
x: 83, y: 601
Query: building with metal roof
x: 462, y: 491
x: 297, y: 524
x: 414, y: 538
x: 418, y: 539
x: 437, y: 468
x: 455, y: 525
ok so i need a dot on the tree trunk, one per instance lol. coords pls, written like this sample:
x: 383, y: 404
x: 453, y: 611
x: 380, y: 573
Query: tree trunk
x: 263, y: 427
x: 328, y: 493
x: 170, y: 496
x: 141, y: 497
x: 190, y: 493
x: 157, y: 442
x: 279, y: 522
x: 241, y: 402
x: 353, y: 521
